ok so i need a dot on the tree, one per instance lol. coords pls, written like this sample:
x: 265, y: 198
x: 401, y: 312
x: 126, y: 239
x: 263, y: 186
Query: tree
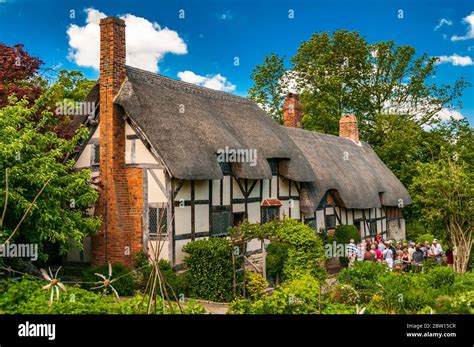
x: 269, y: 88
x: 340, y: 72
x: 69, y: 90
x: 31, y: 155
x: 18, y: 74
x: 329, y: 72
x: 443, y: 190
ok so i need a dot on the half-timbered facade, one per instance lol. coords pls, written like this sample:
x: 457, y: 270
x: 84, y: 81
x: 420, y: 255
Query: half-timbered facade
x: 154, y: 153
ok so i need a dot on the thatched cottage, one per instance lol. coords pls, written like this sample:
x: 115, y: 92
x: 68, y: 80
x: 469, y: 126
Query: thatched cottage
x: 190, y: 162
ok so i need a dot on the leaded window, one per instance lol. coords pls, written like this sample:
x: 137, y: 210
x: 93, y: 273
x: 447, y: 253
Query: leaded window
x: 95, y: 154
x: 220, y: 221
x: 270, y: 213
x: 330, y: 221
x: 157, y: 221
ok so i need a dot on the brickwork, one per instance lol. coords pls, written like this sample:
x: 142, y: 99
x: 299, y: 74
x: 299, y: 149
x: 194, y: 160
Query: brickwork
x: 292, y: 112
x: 121, y: 189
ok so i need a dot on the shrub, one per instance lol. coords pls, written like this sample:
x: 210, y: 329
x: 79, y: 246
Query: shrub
x: 210, y: 271
x: 26, y: 296
x: 124, y: 285
x: 345, y: 294
x: 441, y: 277
x: 463, y: 282
x: 461, y: 303
x: 425, y: 237
x: 338, y: 308
x: 429, y: 264
x: 364, y: 276
x: 295, y: 296
x: 255, y: 284
x: 406, y: 293
x: 277, y: 253
x: 174, y: 280
x: 344, y: 233
x: 344, y: 262
x: 305, y: 251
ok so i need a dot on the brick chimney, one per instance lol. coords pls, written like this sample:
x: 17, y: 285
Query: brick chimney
x: 120, y: 196
x: 348, y: 127
x: 292, y: 111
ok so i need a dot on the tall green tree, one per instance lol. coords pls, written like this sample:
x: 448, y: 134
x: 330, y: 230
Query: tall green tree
x: 340, y: 72
x: 33, y: 159
x: 329, y: 71
x: 269, y: 88
x: 443, y: 190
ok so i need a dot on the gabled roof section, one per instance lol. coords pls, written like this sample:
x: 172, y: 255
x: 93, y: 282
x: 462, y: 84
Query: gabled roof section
x: 187, y: 125
x: 355, y: 171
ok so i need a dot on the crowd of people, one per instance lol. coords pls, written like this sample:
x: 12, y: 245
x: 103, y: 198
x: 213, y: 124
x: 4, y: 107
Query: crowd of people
x: 398, y: 255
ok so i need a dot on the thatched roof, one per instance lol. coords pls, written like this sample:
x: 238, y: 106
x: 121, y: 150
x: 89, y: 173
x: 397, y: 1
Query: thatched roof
x: 187, y: 125
x: 188, y: 143
x: 354, y: 171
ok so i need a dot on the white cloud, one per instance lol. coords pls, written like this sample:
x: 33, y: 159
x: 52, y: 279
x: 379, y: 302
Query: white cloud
x: 456, y: 60
x: 147, y: 42
x: 446, y: 114
x: 217, y: 82
x: 443, y: 21
x: 469, y: 20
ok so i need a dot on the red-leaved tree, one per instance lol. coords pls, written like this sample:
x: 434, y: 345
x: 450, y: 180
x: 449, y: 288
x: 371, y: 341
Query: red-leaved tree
x: 18, y: 74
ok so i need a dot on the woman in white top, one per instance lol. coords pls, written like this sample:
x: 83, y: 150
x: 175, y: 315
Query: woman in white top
x: 388, y: 256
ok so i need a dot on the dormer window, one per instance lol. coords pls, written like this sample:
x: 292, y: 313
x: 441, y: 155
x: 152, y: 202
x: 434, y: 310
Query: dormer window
x: 226, y: 167
x: 273, y: 166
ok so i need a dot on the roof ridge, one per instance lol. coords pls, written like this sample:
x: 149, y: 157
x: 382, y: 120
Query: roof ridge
x: 317, y: 133
x: 190, y: 87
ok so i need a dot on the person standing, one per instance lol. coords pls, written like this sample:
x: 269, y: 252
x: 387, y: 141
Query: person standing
x: 378, y: 237
x: 411, y: 248
x: 351, y: 252
x: 437, y: 251
x: 417, y: 258
x: 425, y: 249
x: 378, y: 253
x: 406, y: 260
x: 449, y: 254
x: 388, y: 256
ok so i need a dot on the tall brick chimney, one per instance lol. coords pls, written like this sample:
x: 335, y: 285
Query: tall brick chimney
x: 120, y: 196
x: 348, y: 127
x: 292, y: 113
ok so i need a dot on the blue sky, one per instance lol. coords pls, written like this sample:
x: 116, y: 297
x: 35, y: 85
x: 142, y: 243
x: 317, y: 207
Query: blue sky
x: 205, y: 43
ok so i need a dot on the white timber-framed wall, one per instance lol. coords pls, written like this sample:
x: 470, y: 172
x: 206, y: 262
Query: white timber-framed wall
x: 190, y: 207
